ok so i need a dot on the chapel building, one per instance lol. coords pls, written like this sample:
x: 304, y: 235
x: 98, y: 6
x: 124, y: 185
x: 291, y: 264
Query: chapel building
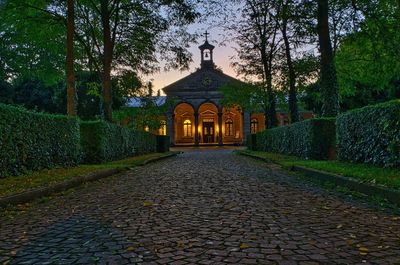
x: 198, y: 117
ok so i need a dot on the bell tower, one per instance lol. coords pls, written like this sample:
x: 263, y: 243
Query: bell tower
x: 206, y: 50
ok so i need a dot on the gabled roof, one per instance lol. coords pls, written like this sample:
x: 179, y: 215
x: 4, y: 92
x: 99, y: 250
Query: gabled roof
x: 204, y: 79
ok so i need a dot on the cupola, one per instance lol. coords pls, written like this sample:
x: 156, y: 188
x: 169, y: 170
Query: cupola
x: 206, y: 50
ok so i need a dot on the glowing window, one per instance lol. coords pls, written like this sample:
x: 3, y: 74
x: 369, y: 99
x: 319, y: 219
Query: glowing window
x: 163, y: 128
x: 187, y: 128
x: 254, y: 126
x: 229, y: 127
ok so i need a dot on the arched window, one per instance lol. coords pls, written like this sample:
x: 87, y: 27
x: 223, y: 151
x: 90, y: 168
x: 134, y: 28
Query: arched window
x: 187, y: 128
x: 228, y: 127
x: 163, y: 128
x: 254, y: 126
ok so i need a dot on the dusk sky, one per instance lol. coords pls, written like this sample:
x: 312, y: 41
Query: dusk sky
x: 222, y: 56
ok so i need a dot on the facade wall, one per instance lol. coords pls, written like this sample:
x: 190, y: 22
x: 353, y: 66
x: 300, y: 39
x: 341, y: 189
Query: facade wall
x: 257, y: 122
x: 205, y: 116
x: 198, y: 98
x: 184, y: 133
x: 230, y: 125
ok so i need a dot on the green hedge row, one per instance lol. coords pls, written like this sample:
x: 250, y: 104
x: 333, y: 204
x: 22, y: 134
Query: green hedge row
x: 252, y: 142
x: 309, y: 139
x: 33, y: 141
x: 103, y: 141
x: 145, y: 143
x: 370, y: 135
x: 163, y: 143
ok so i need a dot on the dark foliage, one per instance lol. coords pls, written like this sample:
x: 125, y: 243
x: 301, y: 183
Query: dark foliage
x: 103, y: 141
x: 309, y: 139
x: 163, y: 143
x: 371, y: 134
x: 33, y: 141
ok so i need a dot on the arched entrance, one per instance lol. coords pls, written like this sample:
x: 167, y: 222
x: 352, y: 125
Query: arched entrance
x: 232, y: 125
x: 207, y: 124
x: 208, y: 128
x: 184, y: 124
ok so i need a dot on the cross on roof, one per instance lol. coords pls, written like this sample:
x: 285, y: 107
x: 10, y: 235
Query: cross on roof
x: 206, y: 34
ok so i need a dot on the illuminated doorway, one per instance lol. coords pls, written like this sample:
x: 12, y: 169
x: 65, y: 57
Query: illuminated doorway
x: 208, y: 131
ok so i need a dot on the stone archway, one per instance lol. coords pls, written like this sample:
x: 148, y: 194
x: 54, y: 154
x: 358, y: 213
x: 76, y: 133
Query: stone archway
x: 232, y: 125
x: 208, y: 124
x: 184, y: 124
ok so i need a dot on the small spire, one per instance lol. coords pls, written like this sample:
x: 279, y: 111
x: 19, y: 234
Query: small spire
x: 206, y: 34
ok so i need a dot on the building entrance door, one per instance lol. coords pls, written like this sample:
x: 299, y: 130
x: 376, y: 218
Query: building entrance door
x: 208, y: 131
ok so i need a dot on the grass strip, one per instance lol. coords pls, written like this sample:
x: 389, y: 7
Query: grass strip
x: 388, y: 177
x: 12, y: 185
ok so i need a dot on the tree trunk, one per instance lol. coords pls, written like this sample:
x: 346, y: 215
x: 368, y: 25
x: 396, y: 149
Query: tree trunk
x: 71, y: 92
x: 329, y: 86
x: 273, y: 120
x: 270, y: 104
x: 107, y: 60
x: 294, y: 112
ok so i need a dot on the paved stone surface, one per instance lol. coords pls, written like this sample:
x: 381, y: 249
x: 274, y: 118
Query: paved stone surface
x: 202, y: 207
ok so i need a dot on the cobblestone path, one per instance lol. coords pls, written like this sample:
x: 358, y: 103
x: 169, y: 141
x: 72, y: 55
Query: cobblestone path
x: 202, y: 207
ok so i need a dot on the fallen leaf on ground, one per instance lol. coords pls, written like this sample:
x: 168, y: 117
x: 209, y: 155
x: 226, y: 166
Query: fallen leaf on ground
x: 363, y: 249
x: 244, y: 246
x: 180, y: 244
x: 147, y: 204
x: 130, y: 248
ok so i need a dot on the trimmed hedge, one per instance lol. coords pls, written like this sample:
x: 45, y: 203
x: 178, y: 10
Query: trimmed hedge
x: 309, y: 139
x: 163, y: 142
x: 144, y: 142
x: 33, y: 141
x: 371, y: 135
x: 103, y: 141
x: 252, y: 142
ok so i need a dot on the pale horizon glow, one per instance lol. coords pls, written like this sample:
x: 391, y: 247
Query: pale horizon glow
x: 222, y: 55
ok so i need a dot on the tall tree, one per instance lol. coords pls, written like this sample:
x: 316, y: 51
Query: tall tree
x: 257, y: 38
x: 138, y: 35
x: 107, y: 57
x: 71, y: 92
x: 329, y: 85
x: 284, y: 17
x: 127, y: 26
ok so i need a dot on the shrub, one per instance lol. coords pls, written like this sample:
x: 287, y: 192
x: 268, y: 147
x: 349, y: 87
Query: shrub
x: 163, y: 142
x: 102, y: 141
x: 252, y: 142
x: 145, y: 142
x: 309, y: 139
x: 371, y: 135
x: 33, y: 141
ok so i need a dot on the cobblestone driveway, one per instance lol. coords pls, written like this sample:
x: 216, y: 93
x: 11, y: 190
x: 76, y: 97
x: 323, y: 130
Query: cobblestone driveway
x: 202, y: 207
